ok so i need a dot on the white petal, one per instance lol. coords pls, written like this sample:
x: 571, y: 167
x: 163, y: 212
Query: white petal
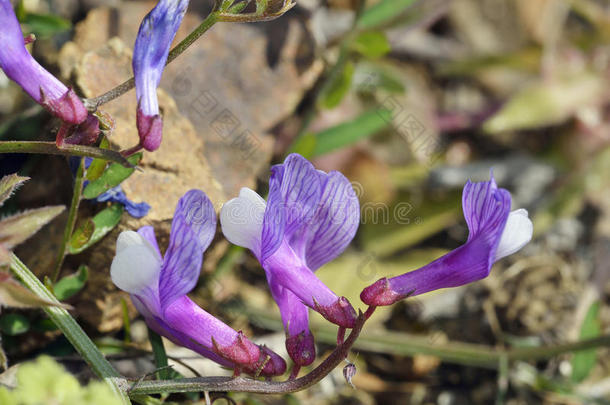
x: 241, y: 220
x: 136, y: 265
x: 517, y: 232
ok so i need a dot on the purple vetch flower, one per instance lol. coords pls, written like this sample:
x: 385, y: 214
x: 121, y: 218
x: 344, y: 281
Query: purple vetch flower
x: 309, y: 219
x: 158, y: 286
x: 155, y: 36
x: 20, y: 66
x: 117, y: 195
x: 495, y: 232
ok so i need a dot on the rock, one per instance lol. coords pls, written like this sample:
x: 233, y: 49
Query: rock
x: 178, y: 166
x: 219, y: 145
x: 223, y: 83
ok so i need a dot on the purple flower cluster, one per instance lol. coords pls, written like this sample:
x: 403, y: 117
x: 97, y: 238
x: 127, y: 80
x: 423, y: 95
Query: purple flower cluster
x: 309, y: 219
x: 158, y: 285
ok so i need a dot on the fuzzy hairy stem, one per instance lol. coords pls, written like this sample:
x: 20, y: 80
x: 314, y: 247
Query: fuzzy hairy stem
x: 50, y: 148
x: 79, y: 181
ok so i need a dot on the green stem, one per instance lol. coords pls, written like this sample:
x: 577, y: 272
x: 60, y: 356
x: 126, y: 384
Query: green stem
x: 72, y: 214
x: 73, y: 332
x: 50, y: 148
x: 406, y: 344
x: 126, y: 86
x: 159, y: 355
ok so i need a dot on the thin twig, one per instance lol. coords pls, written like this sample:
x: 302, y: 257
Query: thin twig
x: 50, y: 148
x: 79, y: 180
x: 126, y: 86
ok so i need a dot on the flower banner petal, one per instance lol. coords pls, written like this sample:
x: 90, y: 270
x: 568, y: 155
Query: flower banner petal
x: 335, y: 222
x: 192, y: 231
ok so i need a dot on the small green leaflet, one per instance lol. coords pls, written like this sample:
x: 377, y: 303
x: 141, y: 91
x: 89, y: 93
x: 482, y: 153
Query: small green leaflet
x: 343, y: 135
x: 72, y: 284
x: 332, y: 94
x: 112, y: 177
x: 382, y: 12
x: 102, y: 223
x: 584, y: 361
x: 14, y: 324
x: 97, y: 166
x: 371, y: 44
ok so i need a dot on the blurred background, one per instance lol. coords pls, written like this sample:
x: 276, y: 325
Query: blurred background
x: 409, y: 99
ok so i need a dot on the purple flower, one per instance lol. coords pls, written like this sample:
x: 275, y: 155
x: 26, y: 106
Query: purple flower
x: 19, y: 66
x: 117, y: 195
x: 158, y: 286
x: 155, y: 36
x: 309, y: 219
x: 495, y: 232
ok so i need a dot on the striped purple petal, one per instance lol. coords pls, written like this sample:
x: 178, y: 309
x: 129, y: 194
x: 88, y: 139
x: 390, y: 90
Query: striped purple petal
x: 294, y: 194
x: 486, y: 209
x: 151, y: 50
x: 335, y: 223
x: 192, y: 231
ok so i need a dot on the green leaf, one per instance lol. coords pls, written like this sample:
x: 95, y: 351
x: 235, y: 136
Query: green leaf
x: 348, y: 133
x: 546, y: 103
x: 332, y: 94
x: 14, y: 324
x: 371, y: 44
x: 382, y: 12
x: 112, y: 177
x: 584, y: 361
x: 159, y: 354
x: 9, y: 184
x: 305, y: 145
x: 45, y: 25
x: 81, y: 236
x: 372, y: 77
x: 388, y: 230
x: 97, y: 166
x: 68, y: 286
x: 19, y: 227
x: 103, y: 222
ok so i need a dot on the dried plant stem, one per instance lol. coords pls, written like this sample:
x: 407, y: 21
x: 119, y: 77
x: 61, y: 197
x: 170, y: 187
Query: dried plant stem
x: 72, y: 214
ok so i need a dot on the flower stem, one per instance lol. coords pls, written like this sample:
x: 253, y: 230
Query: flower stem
x: 240, y: 384
x: 126, y: 86
x: 50, y: 148
x: 73, y: 332
x: 408, y: 344
x: 72, y: 214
